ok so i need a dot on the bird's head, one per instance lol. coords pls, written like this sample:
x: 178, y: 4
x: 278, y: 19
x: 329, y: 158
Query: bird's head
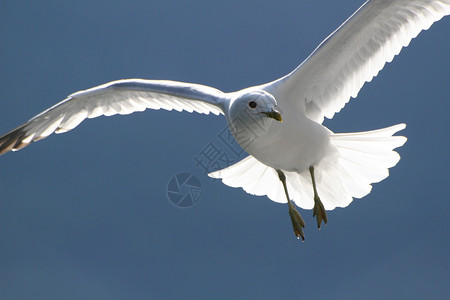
x: 252, y: 114
x: 256, y: 105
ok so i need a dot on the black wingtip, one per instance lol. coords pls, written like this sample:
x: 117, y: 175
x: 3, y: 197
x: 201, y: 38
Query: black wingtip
x: 13, y: 140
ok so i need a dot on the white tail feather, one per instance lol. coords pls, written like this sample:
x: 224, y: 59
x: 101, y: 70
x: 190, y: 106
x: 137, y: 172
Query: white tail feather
x: 362, y: 158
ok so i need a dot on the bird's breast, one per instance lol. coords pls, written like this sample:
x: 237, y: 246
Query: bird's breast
x: 292, y: 145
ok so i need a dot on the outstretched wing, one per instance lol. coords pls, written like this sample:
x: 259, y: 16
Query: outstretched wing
x: 353, y: 54
x: 117, y: 97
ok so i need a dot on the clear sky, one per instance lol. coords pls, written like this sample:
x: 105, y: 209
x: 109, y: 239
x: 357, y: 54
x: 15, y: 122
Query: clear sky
x: 85, y: 215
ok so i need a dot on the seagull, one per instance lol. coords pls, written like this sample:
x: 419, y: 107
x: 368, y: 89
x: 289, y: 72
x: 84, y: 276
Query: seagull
x: 293, y: 158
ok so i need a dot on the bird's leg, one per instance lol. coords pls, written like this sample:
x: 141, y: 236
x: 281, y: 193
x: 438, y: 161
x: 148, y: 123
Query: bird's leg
x: 318, y: 211
x: 296, y: 218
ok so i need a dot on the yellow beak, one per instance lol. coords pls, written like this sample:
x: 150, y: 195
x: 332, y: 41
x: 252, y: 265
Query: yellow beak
x: 274, y: 114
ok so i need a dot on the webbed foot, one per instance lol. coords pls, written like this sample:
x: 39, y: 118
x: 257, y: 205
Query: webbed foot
x: 319, y: 212
x: 297, y: 222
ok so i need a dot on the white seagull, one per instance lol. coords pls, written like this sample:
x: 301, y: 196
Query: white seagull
x: 293, y: 158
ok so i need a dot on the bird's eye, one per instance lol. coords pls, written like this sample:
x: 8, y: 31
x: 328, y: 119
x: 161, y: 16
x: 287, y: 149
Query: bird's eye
x: 252, y: 104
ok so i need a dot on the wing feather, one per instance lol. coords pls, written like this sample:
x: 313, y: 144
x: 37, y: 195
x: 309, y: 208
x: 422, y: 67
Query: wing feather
x: 117, y: 97
x: 353, y: 54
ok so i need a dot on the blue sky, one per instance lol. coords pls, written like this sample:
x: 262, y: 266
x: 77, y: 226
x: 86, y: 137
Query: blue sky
x: 84, y: 215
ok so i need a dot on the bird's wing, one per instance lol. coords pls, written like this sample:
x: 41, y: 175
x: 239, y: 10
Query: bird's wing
x: 117, y: 97
x: 353, y: 54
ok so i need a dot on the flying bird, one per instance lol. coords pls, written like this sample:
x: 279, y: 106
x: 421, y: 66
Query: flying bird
x: 293, y: 158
